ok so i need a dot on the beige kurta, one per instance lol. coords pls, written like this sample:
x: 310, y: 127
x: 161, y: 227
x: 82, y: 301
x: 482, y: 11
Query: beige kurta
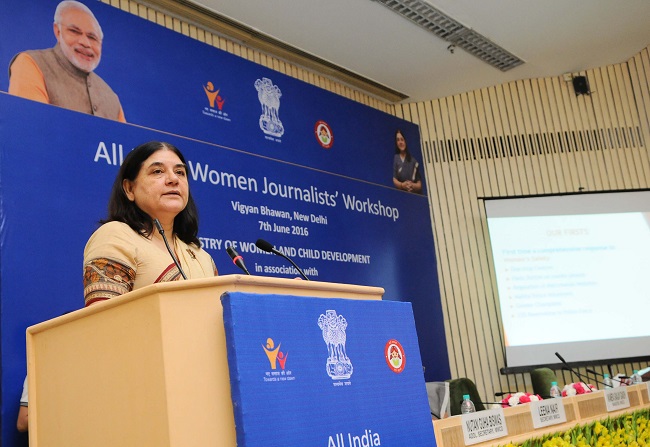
x: 118, y: 260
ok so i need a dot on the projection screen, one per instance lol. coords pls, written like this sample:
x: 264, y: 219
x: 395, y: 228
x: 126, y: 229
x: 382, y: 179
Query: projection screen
x: 573, y: 276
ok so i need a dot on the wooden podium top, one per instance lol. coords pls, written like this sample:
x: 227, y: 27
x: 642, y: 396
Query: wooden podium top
x: 230, y: 283
x: 148, y: 367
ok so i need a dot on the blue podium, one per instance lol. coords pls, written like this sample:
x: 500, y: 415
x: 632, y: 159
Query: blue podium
x: 325, y: 372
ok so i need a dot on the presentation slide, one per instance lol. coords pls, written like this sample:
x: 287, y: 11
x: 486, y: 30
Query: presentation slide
x: 572, y: 275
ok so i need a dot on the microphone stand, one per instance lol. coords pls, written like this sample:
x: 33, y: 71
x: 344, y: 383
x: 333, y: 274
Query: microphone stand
x: 566, y: 367
x: 268, y: 247
x: 171, y: 252
x: 279, y: 253
x: 591, y: 371
x: 580, y: 376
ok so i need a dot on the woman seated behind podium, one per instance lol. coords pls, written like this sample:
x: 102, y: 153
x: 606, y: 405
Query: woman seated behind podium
x: 128, y: 251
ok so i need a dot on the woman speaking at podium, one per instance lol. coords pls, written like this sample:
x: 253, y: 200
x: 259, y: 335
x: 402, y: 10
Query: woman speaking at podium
x: 150, y: 234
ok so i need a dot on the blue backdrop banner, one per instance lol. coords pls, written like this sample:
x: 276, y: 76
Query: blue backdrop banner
x: 269, y: 157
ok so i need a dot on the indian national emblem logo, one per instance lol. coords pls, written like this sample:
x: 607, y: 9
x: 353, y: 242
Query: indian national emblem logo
x: 269, y: 96
x: 395, y: 356
x: 338, y: 365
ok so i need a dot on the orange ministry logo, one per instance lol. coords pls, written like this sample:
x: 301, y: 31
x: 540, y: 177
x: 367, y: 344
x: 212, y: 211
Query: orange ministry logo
x: 277, y: 362
x: 215, y: 101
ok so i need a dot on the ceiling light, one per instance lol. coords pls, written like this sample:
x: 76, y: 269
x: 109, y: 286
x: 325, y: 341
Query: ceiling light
x: 437, y: 22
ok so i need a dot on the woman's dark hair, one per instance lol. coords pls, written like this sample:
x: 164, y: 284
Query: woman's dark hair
x: 121, y: 209
x: 397, y: 151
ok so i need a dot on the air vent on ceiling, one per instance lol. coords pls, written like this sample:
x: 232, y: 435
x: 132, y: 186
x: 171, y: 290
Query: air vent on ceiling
x: 437, y: 22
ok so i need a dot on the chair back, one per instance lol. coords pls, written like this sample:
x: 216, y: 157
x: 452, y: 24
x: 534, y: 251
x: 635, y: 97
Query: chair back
x: 541, y: 379
x: 459, y: 387
x: 438, y: 394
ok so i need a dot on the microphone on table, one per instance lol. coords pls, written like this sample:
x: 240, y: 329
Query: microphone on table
x: 171, y: 252
x: 576, y: 373
x: 504, y: 393
x: 591, y: 371
x: 269, y: 248
x: 237, y: 259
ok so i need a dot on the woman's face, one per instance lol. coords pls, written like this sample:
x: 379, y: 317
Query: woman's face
x: 161, y: 188
x: 401, y: 142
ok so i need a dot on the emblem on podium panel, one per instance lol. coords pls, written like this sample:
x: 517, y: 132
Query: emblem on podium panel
x: 338, y: 365
x: 395, y: 356
x: 269, y: 96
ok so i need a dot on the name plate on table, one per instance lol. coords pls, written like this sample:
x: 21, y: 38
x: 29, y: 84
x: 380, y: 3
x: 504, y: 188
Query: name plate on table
x: 617, y: 398
x: 484, y: 426
x: 325, y: 372
x: 547, y: 412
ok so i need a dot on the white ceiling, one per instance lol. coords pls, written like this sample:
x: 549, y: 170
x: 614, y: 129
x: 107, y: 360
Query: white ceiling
x: 552, y: 37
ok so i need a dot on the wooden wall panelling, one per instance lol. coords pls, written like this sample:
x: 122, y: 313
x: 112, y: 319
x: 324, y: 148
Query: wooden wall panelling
x: 619, y: 101
x: 570, y: 153
x: 476, y: 154
x: 512, y: 133
x: 641, y: 95
x: 452, y: 234
x: 431, y: 128
x: 509, y: 130
x: 635, y: 143
x: 505, y: 132
x: 507, y: 176
x: 530, y: 144
x: 493, y: 186
x: 487, y: 290
x: 442, y: 229
x: 554, y: 138
x: 568, y: 149
x: 487, y: 325
x: 640, y: 70
x: 584, y: 179
x: 544, y: 123
x: 421, y: 114
x: 609, y: 124
x: 603, y: 124
x: 592, y: 142
x: 464, y: 191
x: 487, y: 148
x: 532, y: 150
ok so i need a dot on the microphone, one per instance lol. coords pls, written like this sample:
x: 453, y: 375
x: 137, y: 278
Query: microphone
x: 504, y: 393
x: 269, y: 248
x: 557, y: 354
x: 171, y: 252
x: 576, y: 373
x: 237, y: 259
x: 591, y: 371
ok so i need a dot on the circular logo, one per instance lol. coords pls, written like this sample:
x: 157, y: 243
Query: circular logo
x: 324, y: 134
x: 395, y: 356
